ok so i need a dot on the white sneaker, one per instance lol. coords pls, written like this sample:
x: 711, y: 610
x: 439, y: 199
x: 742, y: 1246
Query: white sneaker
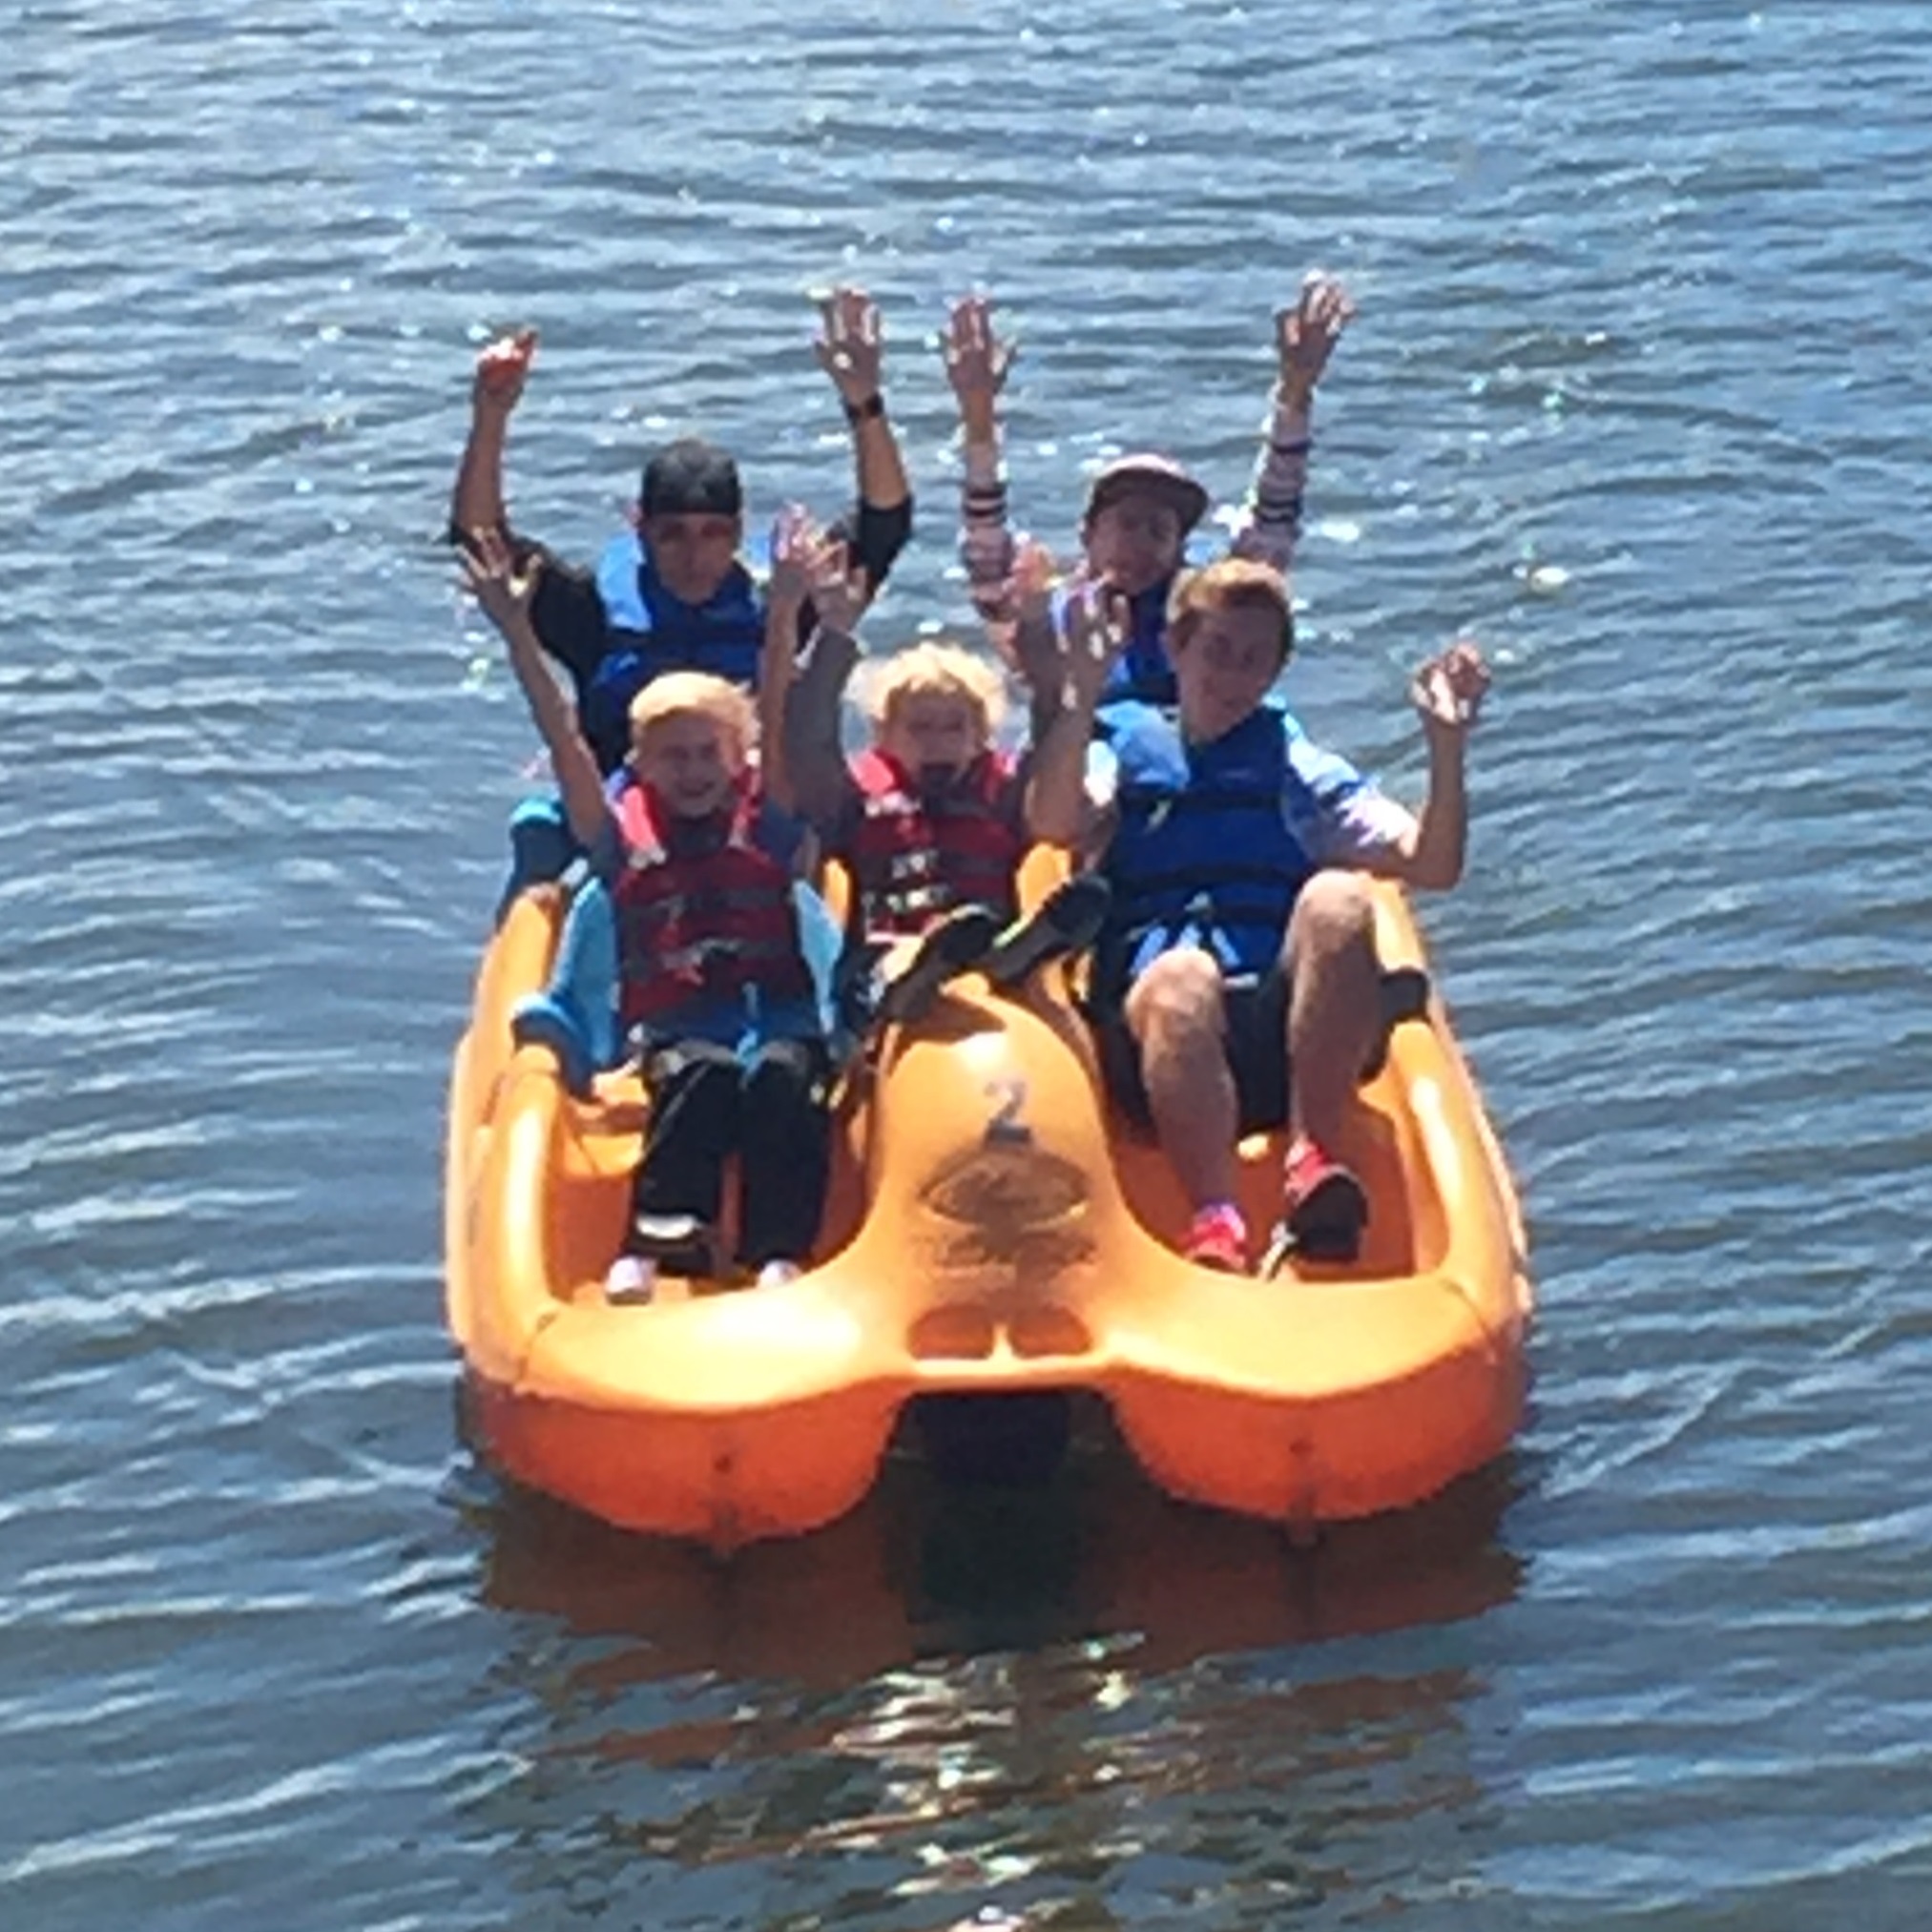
x: 779, y: 1273
x: 632, y: 1278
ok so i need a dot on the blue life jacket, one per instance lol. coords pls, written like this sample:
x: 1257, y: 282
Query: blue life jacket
x: 650, y: 632
x: 1142, y: 675
x: 1214, y: 840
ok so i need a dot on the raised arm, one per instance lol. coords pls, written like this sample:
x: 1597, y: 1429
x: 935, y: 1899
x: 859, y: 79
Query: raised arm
x: 976, y: 365
x: 505, y: 595
x: 1447, y: 692
x: 476, y: 503
x: 851, y: 350
x: 835, y: 596
x: 1091, y: 633
x: 785, y: 593
x: 1306, y: 337
x: 811, y: 571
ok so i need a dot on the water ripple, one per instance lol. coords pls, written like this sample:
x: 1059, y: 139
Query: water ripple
x: 1636, y: 392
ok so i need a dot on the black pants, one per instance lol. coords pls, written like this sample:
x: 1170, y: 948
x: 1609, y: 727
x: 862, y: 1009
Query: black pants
x: 706, y: 1106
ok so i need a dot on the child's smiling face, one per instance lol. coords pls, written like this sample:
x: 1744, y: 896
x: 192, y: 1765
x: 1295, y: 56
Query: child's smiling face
x: 690, y: 761
x: 933, y: 731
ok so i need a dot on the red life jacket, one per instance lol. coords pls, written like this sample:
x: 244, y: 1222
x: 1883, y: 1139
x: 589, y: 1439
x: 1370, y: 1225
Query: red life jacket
x: 701, y: 927
x: 914, y: 856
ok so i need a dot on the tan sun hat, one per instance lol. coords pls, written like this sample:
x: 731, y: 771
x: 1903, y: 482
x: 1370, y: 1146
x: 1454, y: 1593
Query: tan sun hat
x: 1149, y: 475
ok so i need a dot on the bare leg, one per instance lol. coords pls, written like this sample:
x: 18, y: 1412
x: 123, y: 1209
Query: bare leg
x: 1175, y: 1015
x: 1336, y: 1004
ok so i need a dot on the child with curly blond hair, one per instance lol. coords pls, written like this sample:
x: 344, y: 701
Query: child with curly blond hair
x: 932, y: 819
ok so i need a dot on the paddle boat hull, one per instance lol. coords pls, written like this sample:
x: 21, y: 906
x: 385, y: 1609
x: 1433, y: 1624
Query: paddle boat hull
x: 991, y: 1230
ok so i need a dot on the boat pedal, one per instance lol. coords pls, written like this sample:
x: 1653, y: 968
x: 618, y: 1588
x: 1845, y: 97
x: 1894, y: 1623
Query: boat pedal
x: 1404, y: 997
x: 1338, y: 1246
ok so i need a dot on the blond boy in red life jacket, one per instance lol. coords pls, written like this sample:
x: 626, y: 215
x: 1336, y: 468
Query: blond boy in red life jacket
x: 700, y: 856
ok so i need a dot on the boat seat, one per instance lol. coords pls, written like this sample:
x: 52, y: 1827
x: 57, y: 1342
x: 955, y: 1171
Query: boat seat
x: 542, y: 848
x: 1404, y: 996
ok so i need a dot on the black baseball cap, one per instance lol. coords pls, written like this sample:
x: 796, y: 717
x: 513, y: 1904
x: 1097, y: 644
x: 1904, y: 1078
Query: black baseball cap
x: 691, y: 477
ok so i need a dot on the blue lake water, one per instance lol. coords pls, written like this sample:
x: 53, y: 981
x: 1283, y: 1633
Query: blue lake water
x: 1637, y: 393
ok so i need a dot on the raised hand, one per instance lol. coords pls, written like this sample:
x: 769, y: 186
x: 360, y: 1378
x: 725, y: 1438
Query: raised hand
x: 1448, y: 688
x: 976, y: 358
x: 1091, y: 631
x: 502, y: 368
x: 1305, y: 335
x: 850, y: 346
x: 794, y: 536
x: 1036, y: 574
x: 810, y: 564
x: 841, y: 590
x: 490, y: 575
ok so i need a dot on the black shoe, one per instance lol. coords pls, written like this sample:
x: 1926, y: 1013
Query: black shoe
x: 1068, y: 921
x: 957, y: 943
x: 681, y: 1244
x: 1324, y: 1211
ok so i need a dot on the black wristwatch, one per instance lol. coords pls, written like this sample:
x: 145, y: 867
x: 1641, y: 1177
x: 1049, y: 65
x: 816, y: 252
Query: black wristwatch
x: 862, y: 412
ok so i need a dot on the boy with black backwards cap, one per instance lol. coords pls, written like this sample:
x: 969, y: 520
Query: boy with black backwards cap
x: 1140, y: 508
x: 672, y: 593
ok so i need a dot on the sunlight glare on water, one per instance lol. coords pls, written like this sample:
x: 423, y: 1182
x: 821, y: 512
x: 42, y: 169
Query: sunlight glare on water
x: 1636, y: 393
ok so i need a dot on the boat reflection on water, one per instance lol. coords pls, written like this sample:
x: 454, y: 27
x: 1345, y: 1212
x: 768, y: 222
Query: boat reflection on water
x: 957, y: 1698
x: 922, y: 1568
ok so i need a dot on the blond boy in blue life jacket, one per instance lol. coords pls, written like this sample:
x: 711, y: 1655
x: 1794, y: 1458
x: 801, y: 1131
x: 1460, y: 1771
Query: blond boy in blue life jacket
x: 1235, y: 983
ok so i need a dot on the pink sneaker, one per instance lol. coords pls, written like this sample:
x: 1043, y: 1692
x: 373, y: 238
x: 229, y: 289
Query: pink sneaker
x: 1218, y: 1238
x: 1324, y: 1207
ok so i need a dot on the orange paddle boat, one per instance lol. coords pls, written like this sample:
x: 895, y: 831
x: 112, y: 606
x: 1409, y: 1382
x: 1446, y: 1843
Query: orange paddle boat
x: 994, y: 1236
